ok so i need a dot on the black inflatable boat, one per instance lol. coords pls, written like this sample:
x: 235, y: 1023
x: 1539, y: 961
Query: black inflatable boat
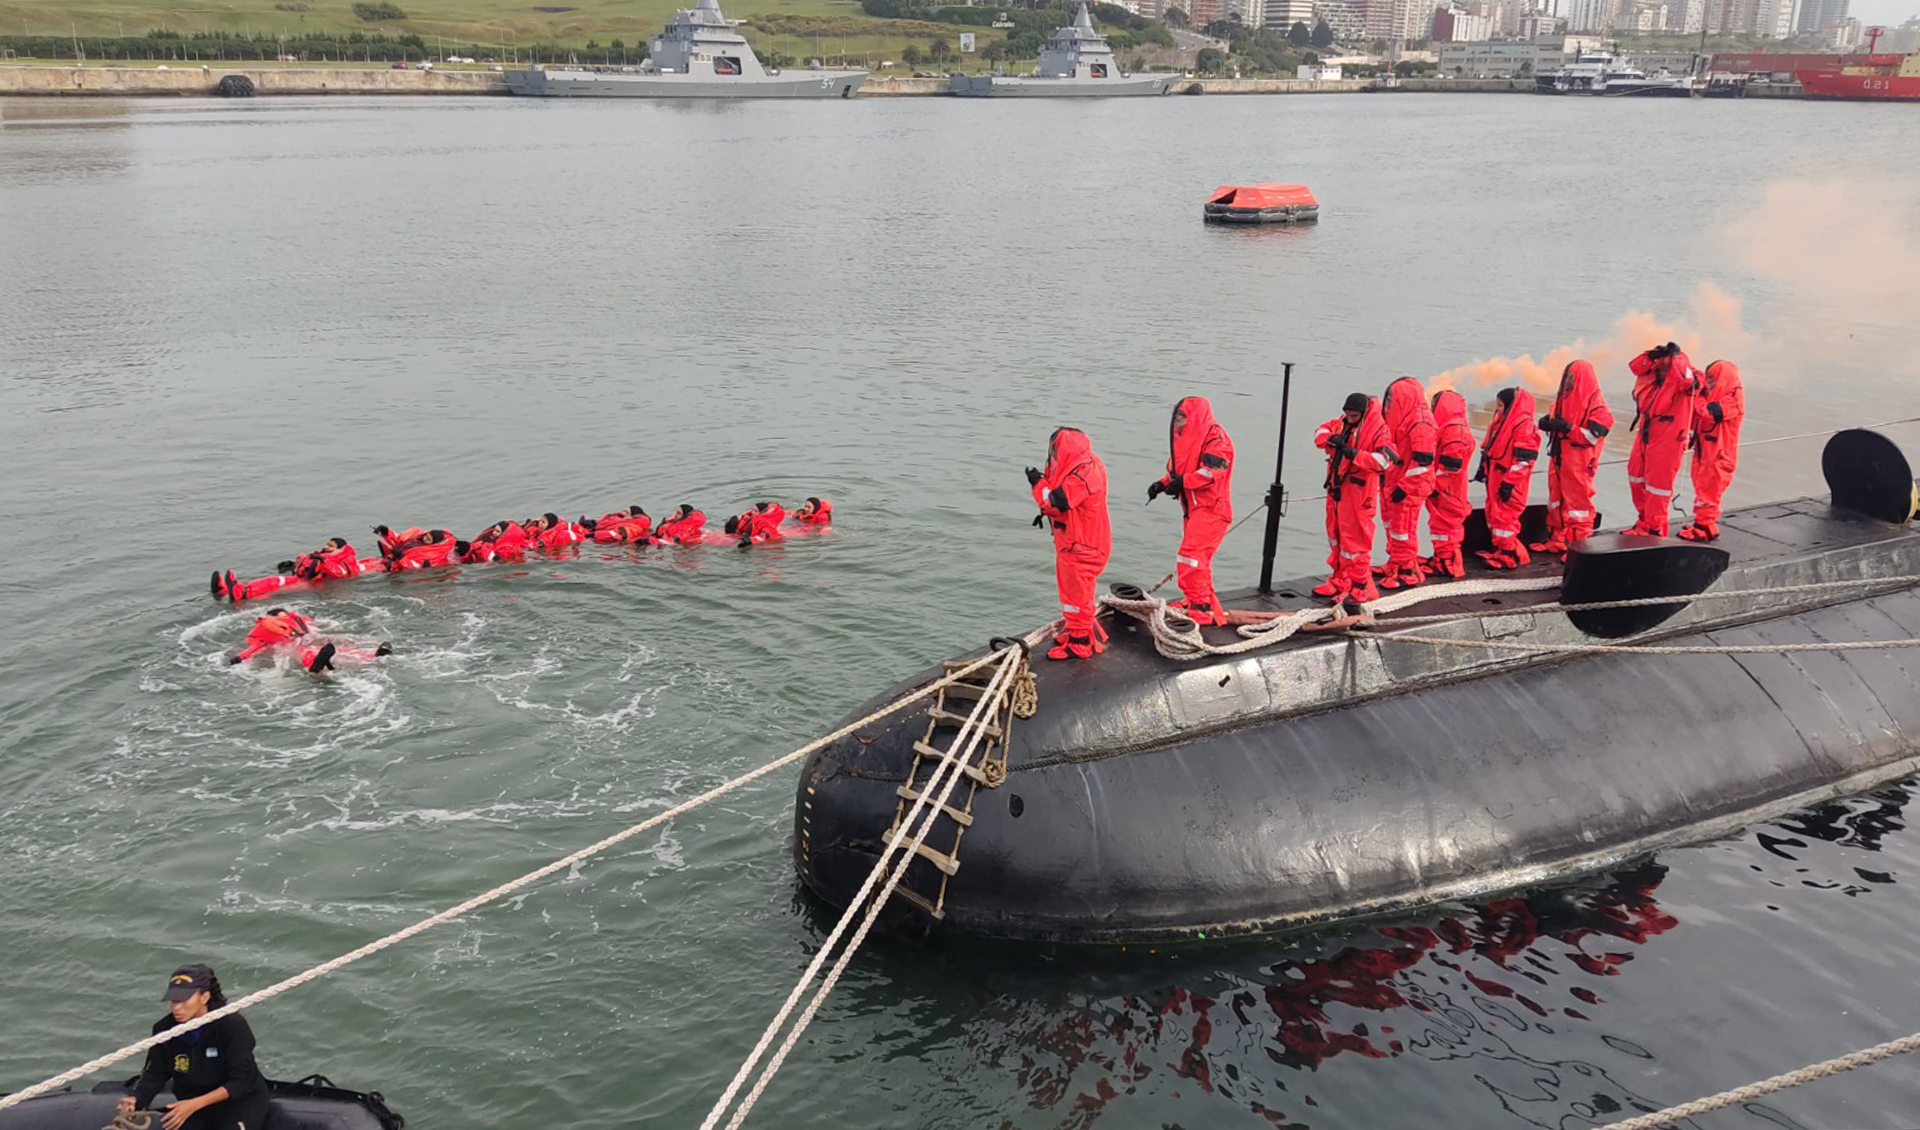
x: 312, y: 1103
x: 1332, y: 776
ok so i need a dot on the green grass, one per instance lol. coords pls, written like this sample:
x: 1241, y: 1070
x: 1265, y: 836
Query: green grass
x: 470, y: 27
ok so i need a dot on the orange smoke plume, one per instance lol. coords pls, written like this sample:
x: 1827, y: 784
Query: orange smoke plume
x: 1716, y: 318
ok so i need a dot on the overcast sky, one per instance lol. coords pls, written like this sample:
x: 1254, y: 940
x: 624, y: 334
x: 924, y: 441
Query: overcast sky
x: 1892, y: 13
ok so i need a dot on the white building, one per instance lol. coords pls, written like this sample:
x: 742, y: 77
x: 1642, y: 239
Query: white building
x: 1316, y: 71
x: 1281, y: 15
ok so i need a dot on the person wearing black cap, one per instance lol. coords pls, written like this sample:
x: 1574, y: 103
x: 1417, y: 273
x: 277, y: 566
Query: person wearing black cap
x: 215, y: 1083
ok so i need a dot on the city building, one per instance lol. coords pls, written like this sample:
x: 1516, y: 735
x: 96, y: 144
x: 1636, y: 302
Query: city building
x: 1344, y: 17
x: 1316, y: 71
x: 1540, y: 25
x: 1281, y: 15
x: 1203, y: 12
x: 1249, y: 13
x: 1817, y: 15
x: 1453, y: 23
x: 1599, y: 15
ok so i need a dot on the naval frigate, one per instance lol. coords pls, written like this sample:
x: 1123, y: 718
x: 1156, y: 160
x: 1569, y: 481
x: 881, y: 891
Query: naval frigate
x: 1076, y: 63
x: 699, y: 55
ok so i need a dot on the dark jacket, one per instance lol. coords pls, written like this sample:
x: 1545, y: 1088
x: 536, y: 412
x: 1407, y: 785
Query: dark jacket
x: 191, y: 1064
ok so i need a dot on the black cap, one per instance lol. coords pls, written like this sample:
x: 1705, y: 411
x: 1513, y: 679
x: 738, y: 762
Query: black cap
x: 1356, y: 402
x: 188, y: 980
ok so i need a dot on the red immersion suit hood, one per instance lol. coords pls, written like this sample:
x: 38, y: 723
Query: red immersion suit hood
x: 1404, y: 409
x: 1449, y: 407
x: 1069, y: 448
x: 1516, y: 408
x: 1184, y: 446
x: 1721, y: 370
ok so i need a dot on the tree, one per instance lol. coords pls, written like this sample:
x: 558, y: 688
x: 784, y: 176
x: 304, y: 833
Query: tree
x: 1210, y: 60
x: 910, y: 54
x: 1299, y: 36
x: 1322, y: 35
x: 618, y: 45
x: 1176, y: 17
x: 994, y: 51
x: 940, y: 50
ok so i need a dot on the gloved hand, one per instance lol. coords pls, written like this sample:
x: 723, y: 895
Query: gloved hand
x: 1658, y: 352
x: 1344, y: 448
x: 1554, y: 424
x: 1506, y: 492
x: 232, y: 659
x: 1175, y: 485
x: 1155, y: 489
x: 1033, y: 476
x: 1039, y: 520
x: 1397, y: 495
x: 1713, y: 409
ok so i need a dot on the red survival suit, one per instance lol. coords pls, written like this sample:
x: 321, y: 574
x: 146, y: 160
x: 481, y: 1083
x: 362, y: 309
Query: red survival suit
x: 1358, y: 451
x: 760, y: 524
x: 814, y: 512
x: 1577, y: 429
x: 1411, y: 426
x: 1717, y: 412
x: 277, y: 627
x: 1200, y: 475
x: 429, y: 548
x: 1448, y: 505
x: 1663, y: 389
x: 629, y: 525
x: 1506, y: 466
x: 684, y: 527
x: 1072, y: 494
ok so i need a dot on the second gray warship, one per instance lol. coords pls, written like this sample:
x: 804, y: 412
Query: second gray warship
x: 699, y: 55
x: 1076, y: 63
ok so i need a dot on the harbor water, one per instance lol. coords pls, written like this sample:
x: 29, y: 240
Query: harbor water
x: 229, y: 331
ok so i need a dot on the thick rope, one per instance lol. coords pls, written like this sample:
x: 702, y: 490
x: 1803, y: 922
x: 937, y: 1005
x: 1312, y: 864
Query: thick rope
x: 944, y: 777
x: 1905, y: 580
x: 1751, y: 1091
x: 497, y: 893
x: 1185, y: 643
x: 132, y: 1120
x: 1645, y: 649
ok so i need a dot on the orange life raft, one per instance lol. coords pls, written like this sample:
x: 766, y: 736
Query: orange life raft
x: 1261, y: 204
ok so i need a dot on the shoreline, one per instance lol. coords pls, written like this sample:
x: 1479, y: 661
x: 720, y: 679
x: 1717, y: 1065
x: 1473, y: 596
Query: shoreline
x: 199, y: 80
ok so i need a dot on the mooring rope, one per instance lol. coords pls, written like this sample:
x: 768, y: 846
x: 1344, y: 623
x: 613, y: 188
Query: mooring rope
x: 1645, y: 649
x: 1904, y: 580
x: 1751, y: 1091
x: 946, y: 775
x: 495, y: 894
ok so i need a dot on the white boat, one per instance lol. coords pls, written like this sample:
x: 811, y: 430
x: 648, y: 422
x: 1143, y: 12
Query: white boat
x: 1601, y: 73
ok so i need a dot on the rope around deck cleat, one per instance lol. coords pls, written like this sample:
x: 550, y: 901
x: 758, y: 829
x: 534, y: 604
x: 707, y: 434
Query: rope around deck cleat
x: 1001, y: 655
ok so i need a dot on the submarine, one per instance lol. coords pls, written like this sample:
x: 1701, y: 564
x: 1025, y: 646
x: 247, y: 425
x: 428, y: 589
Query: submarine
x: 1343, y: 774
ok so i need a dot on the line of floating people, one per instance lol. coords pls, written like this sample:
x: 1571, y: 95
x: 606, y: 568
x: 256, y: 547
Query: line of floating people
x: 415, y: 548
x: 1391, y: 457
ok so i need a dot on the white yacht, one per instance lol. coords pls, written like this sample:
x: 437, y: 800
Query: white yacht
x: 1600, y: 72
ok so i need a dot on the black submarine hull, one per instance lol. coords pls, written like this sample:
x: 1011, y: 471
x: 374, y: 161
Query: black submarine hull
x: 1339, y: 778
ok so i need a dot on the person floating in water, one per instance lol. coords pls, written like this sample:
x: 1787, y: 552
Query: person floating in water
x: 210, y: 1071
x: 1200, y: 475
x: 620, y: 527
x: 813, y: 512
x: 758, y: 525
x: 281, y: 627
x: 1072, y: 496
x: 685, y: 527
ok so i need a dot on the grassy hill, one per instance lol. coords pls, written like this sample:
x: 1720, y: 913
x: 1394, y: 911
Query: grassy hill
x: 829, y: 29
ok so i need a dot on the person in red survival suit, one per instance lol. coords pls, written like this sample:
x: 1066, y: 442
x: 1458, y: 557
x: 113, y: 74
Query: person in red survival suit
x: 1717, y: 412
x: 1407, y: 483
x: 1506, y: 466
x: 760, y: 524
x: 1358, y: 451
x: 814, y: 512
x: 508, y: 540
x: 1577, y: 429
x: 1448, y: 505
x: 558, y: 533
x: 278, y: 626
x: 684, y: 527
x: 1200, y: 475
x: 336, y: 560
x: 1663, y: 388
x: 1072, y: 496
x: 620, y: 527
x: 392, y: 540
x: 228, y: 585
x: 431, y: 548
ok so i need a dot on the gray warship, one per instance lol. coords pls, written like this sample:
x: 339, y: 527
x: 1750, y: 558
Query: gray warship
x: 1076, y: 63
x: 699, y: 55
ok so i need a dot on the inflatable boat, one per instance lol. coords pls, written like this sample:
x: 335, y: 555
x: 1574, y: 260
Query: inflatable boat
x: 1261, y: 204
x: 1336, y: 775
x: 312, y: 1103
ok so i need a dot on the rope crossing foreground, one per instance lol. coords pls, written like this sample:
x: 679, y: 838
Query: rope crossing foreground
x: 497, y: 893
x: 1862, y: 1058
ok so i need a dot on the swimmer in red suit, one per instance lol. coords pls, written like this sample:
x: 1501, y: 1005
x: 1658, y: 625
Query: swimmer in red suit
x: 281, y: 627
x: 760, y: 524
x: 814, y: 512
x: 427, y: 549
x: 620, y: 527
x: 684, y: 527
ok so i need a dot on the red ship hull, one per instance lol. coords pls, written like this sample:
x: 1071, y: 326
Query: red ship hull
x: 1834, y: 84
